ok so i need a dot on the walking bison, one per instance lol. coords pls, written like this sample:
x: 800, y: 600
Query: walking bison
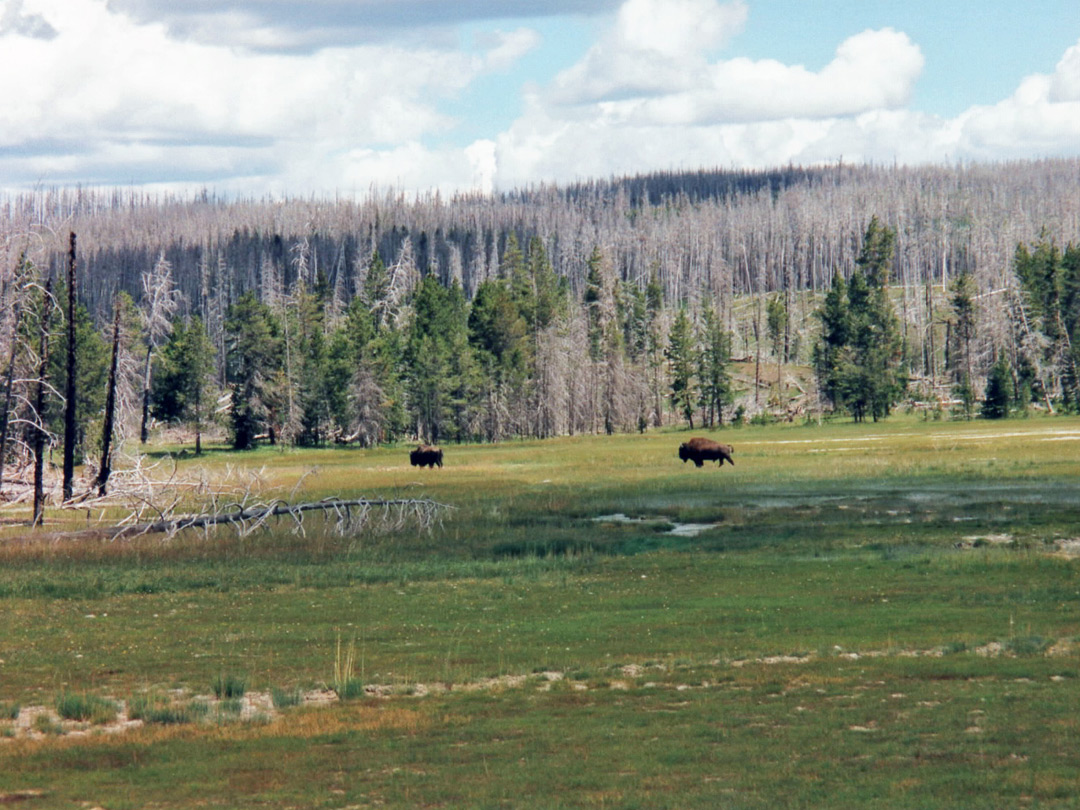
x: 426, y: 456
x: 699, y: 450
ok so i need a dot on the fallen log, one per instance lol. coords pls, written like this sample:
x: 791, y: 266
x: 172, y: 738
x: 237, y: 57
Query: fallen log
x: 249, y: 518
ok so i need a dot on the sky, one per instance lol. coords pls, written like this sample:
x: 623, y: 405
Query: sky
x: 259, y: 98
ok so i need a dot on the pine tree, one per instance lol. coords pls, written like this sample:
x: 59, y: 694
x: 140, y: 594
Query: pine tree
x: 831, y: 352
x: 996, y: 402
x: 715, y: 355
x: 183, y: 372
x: 682, y: 361
x: 859, y: 359
x: 254, y: 358
x: 593, y: 302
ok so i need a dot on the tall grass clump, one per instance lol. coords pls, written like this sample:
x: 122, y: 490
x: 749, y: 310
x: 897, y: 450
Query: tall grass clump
x: 284, y: 698
x: 344, y: 681
x: 160, y: 709
x: 83, y: 707
x: 9, y: 711
x: 229, y: 686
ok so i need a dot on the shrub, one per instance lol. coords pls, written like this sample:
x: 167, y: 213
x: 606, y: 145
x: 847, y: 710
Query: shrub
x: 9, y: 711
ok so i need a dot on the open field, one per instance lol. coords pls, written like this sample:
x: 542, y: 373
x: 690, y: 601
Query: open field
x: 883, y: 615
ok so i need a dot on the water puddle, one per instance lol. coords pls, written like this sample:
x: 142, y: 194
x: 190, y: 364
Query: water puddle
x: 677, y: 529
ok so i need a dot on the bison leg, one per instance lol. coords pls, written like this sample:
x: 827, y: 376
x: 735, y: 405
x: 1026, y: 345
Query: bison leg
x: 698, y: 462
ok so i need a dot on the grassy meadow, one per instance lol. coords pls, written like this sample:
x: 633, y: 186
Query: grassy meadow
x: 883, y: 615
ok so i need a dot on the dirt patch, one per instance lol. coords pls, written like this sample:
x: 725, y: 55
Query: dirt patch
x: 41, y: 722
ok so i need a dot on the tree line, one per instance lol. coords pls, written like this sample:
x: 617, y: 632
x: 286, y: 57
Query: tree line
x: 289, y: 347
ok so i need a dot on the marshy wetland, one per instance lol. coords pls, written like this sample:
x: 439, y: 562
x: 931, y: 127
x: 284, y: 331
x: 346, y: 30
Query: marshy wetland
x: 881, y: 615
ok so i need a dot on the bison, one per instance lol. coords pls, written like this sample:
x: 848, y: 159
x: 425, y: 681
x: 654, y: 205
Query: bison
x: 426, y: 456
x: 699, y: 450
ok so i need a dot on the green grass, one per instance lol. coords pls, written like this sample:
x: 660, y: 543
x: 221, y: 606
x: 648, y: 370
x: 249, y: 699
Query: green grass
x: 881, y: 616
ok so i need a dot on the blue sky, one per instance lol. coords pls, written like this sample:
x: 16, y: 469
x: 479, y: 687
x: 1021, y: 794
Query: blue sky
x: 306, y: 97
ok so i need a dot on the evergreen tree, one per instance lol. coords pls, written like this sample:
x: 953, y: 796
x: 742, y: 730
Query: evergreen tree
x: 438, y: 331
x: 859, y: 359
x: 498, y: 330
x: 963, y: 324
x: 183, y: 373
x: 254, y: 369
x: 715, y: 355
x: 654, y: 343
x: 682, y: 362
x: 831, y: 352
x: 314, y: 396
x: 593, y: 302
x: 996, y: 402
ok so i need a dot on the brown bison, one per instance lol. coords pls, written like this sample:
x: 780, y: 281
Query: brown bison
x: 699, y: 450
x: 426, y: 456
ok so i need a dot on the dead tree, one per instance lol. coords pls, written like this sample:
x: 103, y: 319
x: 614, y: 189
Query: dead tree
x: 16, y: 316
x: 161, y: 303
x: 39, y: 408
x: 110, y: 408
x: 70, y: 392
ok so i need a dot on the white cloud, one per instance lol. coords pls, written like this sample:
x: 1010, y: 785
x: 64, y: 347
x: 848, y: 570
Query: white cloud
x: 106, y: 91
x: 676, y: 29
x: 655, y: 47
x: 95, y: 96
x: 628, y: 108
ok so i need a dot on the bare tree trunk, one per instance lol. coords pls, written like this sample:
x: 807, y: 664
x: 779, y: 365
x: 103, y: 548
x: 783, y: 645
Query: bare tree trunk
x: 198, y: 420
x: 144, y: 431
x: 39, y: 407
x: 17, y: 312
x: 70, y: 391
x: 757, y: 355
x: 110, y: 409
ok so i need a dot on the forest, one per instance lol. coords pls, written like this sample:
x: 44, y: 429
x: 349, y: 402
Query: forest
x: 695, y: 298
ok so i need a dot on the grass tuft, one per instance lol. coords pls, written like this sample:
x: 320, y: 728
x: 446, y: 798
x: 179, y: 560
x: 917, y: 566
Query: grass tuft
x: 229, y: 686
x: 1028, y: 645
x: 344, y: 681
x: 283, y: 698
x: 162, y: 710
x: 86, y: 708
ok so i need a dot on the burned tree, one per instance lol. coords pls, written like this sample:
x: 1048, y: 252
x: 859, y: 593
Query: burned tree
x: 39, y: 409
x: 110, y: 407
x: 70, y: 389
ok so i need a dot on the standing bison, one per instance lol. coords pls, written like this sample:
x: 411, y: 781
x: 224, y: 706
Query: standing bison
x: 426, y: 456
x: 699, y: 450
